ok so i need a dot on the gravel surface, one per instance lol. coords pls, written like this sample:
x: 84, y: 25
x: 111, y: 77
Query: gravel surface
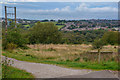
x: 40, y: 70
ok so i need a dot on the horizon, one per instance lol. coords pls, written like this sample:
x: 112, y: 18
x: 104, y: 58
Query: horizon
x: 60, y: 19
x: 65, y: 10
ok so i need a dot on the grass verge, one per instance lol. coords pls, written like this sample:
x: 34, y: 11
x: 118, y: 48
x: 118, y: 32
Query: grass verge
x: 13, y: 72
x: 109, y: 65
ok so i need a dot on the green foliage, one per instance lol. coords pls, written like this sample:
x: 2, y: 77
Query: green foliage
x: 110, y: 38
x: 110, y: 65
x: 45, y: 33
x: 17, y: 73
x: 12, y: 38
x: 67, y: 60
x: 11, y: 46
x: 7, y: 69
x: 77, y: 59
x: 79, y: 37
x: 98, y: 44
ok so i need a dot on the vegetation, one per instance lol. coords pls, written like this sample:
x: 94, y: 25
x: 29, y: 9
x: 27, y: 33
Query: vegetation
x: 13, y: 39
x: 110, y: 38
x: 60, y: 26
x: 75, y: 56
x: 47, y: 33
x: 80, y: 37
x: 98, y: 44
x: 16, y: 73
x: 44, y: 33
x: 47, y: 44
x: 7, y: 69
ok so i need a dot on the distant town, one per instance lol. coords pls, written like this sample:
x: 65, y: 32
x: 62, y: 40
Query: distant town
x: 72, y: 25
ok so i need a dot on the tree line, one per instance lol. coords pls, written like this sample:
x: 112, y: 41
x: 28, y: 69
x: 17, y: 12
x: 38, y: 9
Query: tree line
x: 48, y: 33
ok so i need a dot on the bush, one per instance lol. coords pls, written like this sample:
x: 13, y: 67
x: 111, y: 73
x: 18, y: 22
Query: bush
x: 13, y: 39
x: 11, y: 46
x: 98, y: 44
x: 45, y: 33
x: 111, y: 38
x: 85, y: 59
x: 77, y: 59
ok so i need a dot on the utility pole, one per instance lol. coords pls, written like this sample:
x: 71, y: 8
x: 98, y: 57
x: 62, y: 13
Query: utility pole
x: 6, y: 14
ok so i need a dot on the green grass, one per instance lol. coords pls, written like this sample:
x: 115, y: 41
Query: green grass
x: 60, y: 26
x: 16, y: 73
x: 26, y: 25
x: 109, y: 65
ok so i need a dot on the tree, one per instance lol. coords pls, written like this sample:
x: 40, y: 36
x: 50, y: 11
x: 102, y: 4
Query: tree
x: 44, y: 33
x: 110, y: 37
x: 98, y: 44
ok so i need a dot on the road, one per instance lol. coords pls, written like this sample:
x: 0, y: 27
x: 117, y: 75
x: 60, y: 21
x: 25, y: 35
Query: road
x: 40, y: 70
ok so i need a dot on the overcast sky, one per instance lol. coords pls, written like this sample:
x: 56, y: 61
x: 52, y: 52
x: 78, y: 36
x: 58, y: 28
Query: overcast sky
x: 65, y: 10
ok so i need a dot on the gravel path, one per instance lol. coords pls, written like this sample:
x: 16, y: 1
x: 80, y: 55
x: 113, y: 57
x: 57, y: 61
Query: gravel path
x: 40, y: 70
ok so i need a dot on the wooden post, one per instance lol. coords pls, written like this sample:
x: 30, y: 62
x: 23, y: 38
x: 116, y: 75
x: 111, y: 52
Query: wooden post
x: 5, y: 20
x: 99, y: 55
x: 15, y: 17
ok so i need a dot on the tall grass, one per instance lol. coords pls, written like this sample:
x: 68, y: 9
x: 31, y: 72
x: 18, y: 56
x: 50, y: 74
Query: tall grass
x: 75, y: 56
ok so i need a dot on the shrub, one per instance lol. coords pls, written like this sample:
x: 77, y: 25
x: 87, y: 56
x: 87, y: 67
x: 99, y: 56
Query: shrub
x: 67, y: 60
x: 111, y: 37
x: 85, y: 59
x: 77, y: 59
x: 11, y: 46
x: 13, y: 39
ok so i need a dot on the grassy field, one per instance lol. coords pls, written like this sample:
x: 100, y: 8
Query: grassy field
x: 59, y: 26
x: 74, y: 56
x: 27, y: 25
x: 16, y: 73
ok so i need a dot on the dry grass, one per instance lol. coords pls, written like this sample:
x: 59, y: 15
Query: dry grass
x: 64, y: 52
x: 77, y: 56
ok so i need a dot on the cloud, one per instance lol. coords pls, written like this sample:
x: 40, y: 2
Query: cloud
x: 56, y: 10
x: 84, y: 7
x: 10, y: 3
x: 104, y: 9
x: 67, y: 8
x: 81, y: 11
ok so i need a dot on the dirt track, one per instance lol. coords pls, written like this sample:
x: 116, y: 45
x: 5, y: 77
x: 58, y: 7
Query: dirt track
x: 40, y: 70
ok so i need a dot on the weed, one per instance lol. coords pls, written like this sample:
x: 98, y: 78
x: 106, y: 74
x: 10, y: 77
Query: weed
x: 77, y: 59
x: 67, y: 55
x: 50, y: 49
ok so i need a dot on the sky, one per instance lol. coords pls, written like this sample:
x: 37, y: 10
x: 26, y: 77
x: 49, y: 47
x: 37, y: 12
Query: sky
x: 61, y: 0
x: 64, y: 10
